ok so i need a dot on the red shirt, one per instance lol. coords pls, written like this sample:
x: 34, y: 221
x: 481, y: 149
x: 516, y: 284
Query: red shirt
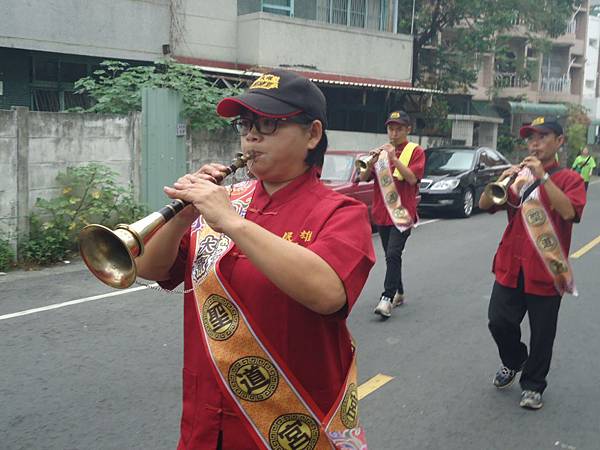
x: 516, y: 251
x: 408, y: 193
x: 316, y: 348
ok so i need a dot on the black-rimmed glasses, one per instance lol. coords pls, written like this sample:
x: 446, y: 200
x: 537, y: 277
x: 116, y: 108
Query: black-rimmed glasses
x: 264, y: 125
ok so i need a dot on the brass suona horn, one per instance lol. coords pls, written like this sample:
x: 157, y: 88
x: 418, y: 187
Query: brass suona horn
x: 110, y: 254
x: 362, y: 164
x: 498, y: 190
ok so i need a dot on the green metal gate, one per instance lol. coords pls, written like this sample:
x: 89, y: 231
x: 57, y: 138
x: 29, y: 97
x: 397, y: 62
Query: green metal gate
x: 163, y: 144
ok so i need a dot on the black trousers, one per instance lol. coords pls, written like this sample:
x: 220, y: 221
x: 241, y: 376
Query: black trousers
x: 393, y: 242
x: 506, y: 311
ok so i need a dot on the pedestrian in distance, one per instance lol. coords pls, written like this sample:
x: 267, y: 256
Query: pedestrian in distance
x: 584, y: 165
x: 271, y: 268
x: 531, y: 265
x: 397, y: 167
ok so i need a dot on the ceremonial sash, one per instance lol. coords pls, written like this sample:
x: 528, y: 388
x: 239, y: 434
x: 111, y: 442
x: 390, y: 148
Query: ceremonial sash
x: 542, y: 234
x: 277, y: 411
x: 405, y: 156
x: 391, y: 198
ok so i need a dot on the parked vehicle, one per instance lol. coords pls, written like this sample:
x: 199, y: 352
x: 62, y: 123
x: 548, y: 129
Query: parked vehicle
x: 339, y: 174
x: 456, y: 176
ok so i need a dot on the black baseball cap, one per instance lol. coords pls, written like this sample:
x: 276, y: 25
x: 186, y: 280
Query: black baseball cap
x: 398, y: 117
x: 541, y: 125
x: 278, y: 94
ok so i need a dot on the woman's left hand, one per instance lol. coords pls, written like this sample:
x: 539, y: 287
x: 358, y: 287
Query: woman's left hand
x: 210, y: 199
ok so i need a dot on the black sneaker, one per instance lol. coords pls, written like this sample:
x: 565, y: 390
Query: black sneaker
x: 531, y: 400
x: 505, y: 377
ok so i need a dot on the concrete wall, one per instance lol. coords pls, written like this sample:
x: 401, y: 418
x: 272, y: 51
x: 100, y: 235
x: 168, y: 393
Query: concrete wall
x: 36, y: 146
x: 271, y: 40
x: 206, y: 29
x: 130, y: 29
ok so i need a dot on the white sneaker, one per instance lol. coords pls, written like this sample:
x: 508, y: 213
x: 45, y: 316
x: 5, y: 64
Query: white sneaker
x: 398, y: 300
x: 384, y: 307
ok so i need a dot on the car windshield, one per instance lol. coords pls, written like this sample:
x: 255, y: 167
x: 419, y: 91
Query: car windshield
x: 337, y: 167
x: 442, y: 161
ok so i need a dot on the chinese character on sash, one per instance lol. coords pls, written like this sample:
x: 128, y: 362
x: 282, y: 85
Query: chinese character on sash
x: 253, y: 378
x: 295, y: 436
x: 306, y: 235
x: 218, y: 317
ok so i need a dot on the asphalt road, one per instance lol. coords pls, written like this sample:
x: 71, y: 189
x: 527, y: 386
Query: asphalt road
x: 105, y: 374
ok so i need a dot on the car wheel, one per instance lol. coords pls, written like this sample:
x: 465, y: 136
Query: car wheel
x: 468, y: 202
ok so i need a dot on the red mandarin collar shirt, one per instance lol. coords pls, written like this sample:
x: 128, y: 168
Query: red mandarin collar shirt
x: 516, y: 251
x: 316, y: 348
x: 408, y: 193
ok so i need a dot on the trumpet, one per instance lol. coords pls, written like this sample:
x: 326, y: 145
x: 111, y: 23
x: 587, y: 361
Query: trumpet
x: 363, y: 164
x: 498, y: 190
x: 110, y: 254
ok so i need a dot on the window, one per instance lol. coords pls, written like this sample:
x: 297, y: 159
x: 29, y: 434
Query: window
x: 353, y: 13
x: 282, y: 7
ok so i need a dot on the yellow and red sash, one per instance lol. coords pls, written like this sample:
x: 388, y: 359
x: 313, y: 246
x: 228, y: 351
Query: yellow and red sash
x: 277, y: 411
x: 391, y: 198
x: 542, y: 234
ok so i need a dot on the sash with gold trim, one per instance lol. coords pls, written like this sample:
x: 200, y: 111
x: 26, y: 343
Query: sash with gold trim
x: 391, y: 198
x: 277, y: 411
x: 542, y: 234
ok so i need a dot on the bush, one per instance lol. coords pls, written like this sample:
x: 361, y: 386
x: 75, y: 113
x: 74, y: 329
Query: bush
x: 89, y: 194
x: 7, y: 256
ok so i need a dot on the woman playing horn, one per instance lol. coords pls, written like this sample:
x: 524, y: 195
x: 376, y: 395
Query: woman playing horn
x: 272, y: 269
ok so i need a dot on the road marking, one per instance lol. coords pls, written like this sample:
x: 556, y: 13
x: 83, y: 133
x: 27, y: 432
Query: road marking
x: 373, y: 384
x: 71, y: 302
x: 425, y: 222
x: 586, y: 248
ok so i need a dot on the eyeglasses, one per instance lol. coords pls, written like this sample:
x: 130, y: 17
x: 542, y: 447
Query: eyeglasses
x: 264, y: 125
x: 537, y: 137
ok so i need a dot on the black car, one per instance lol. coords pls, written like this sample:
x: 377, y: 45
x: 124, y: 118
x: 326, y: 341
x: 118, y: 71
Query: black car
x: 455, y: 177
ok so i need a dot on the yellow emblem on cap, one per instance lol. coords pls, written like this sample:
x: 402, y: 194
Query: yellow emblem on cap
x: 395, y: 115
x: 538, y: 121
x: 266, y: 81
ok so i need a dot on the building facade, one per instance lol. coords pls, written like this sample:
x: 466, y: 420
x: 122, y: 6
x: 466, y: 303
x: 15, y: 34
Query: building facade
x: 348, y: 47
x: 523, y: 72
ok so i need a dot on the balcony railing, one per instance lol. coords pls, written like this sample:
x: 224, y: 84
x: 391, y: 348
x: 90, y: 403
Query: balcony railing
x: 510, y: 80
x: 561, y: 85
x: 352, y: 13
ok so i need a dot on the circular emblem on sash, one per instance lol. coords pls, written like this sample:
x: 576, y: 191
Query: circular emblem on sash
x: 220, y: 318
x: 557, y: 267
x: 253, y: 379
x: 294, y: 432
x: 386, y: 180
x: 391, y: 197
x: 350, y: 407
x: 546, y: 242
x: 535, y: 217
x: 400, y: 213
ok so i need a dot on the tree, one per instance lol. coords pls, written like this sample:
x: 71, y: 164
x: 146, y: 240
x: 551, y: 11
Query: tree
x: 576, y: 131
x: 116, y: 88
x: 468, y: 29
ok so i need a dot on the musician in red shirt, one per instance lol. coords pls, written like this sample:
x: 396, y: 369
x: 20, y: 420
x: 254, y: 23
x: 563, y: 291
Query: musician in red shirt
x: 271, y: 269
x: 397, y: 168
x: 531, y: 266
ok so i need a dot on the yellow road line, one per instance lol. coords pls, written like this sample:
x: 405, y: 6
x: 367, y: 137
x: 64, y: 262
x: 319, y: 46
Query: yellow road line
x: 586, y: 248
x: 373, y: 384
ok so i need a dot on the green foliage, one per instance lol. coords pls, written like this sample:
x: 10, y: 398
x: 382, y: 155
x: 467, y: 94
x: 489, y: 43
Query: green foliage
x: 89, y: 194
x: 116, y: 88
x: 435, y: 117
x: 513, y: 147
x: 7, y: 256
x: 576, y: 131
x: 469, y: 28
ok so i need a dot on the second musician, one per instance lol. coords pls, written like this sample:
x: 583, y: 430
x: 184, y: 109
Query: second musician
x: 397, y: 168
x: 271, y: 269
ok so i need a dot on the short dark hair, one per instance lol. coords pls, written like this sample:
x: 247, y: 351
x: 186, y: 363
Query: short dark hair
x: 316, y: 156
